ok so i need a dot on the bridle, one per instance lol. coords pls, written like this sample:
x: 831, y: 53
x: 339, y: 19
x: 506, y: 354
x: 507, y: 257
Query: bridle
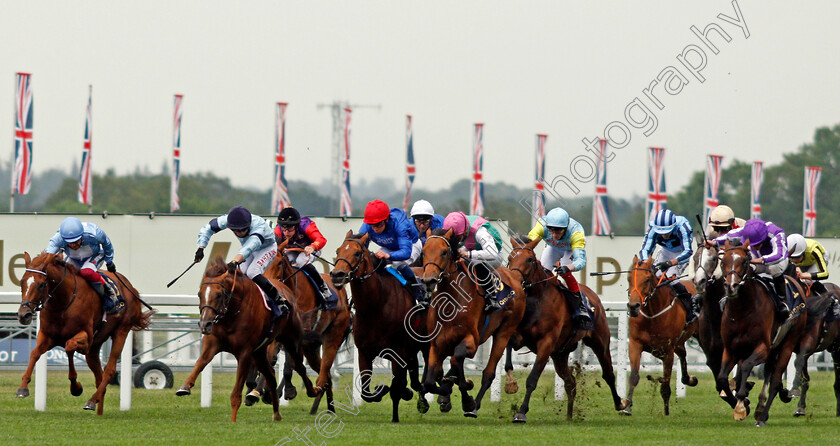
x: 525, y: 282
x: 38, y: 305
x: 646, y: 297
x: 444, y: 273
x: 743, y: 277
x: 228, y: 297
x: 353, y: 269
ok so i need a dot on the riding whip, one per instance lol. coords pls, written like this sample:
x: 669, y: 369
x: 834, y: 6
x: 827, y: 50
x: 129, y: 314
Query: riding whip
x: 181, y: 275
x: 132, y: 292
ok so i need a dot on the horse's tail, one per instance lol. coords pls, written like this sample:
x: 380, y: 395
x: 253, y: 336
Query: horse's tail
x: 817, y: 308
x: 144, y: 321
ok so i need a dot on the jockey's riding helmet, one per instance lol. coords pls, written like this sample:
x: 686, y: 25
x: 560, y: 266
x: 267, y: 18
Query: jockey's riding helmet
x: 238, y: 218
x: 796, y: 245
x: 288, y: 216
x: 664, y: 222
x: 71, y: 229
x: 556, y: 218
x: 422, y: 208
x: 722, y: 216
x: 376, y: 211
x: 755, y: 231
x: 457, y: 222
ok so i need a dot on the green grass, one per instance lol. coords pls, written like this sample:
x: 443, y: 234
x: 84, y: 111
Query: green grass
x: 159, y: 417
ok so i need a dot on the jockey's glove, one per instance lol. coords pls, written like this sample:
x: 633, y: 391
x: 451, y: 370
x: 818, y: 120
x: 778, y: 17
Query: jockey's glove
x: 662, y: 266
x: 232, y: 265
x: 199, y: 254
x: 111, y: 267
x: 561, y: 270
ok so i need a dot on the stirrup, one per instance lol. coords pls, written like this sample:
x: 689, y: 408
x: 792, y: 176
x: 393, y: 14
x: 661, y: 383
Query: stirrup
x: 117, y: 308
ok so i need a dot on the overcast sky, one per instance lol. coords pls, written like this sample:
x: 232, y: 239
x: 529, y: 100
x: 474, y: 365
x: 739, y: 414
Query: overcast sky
x: 566, y: 69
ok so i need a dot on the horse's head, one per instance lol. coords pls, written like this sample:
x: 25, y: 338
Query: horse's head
x: 351, y: 256
x: 216, y: 293
x: 705, y: 263
x: 34, y: 286
x: 641, y: 285
x: 522, y: 257
x: 735, y: 267
x: 439, y: 255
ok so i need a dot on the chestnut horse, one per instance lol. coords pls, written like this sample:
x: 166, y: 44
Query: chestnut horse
x: 547, y: 328
x: 71, y: 317
x: 328, y: 329
x: 819, y: 335
x: 386, y: 323
x: 457, y: 322
x: 748, y: 327
x: 235, y: 319
x: 657, y: 326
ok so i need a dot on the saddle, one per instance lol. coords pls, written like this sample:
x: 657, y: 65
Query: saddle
x: 332, y: 301
x: 571, y: 300
x: 112, y: 285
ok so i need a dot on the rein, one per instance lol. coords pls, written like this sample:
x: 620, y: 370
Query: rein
x: 38, y: 305
x: 228, y: 297
x: 646, y: 297
x: 353, y: 269
x: 443, y: 272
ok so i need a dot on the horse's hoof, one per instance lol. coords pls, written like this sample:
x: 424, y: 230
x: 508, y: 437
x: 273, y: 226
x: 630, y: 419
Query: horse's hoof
x: 760, y: 424
x: 266, y: 397
x: 628, y: 411
x: 278, y: 417
x: 311, y: 392
x: 740, y: 413
x: 183, y: 391
x: 22, y: 393
x: 422, y: 404
x: 290, y: 393
x: 445, y: 406
x: 76, y: 390
x: 625, y: 405
x: 800, y: 412
x: 511, y: 387
x: 471, y: 414
x: 90, y: 405
x: 784, y: 396
x: 795, y: 393
x: 691, y: 381
x: 407, y: 394
x: 468, y: 385
x: 251, y: 398
x: 520, y: 418
x: 468, y: 404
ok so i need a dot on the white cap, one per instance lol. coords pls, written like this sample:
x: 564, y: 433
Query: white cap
x: 422, y: 207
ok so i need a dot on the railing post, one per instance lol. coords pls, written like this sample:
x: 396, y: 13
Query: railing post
x: 622, y: 352
x: 40, y: 376
x: 126, y: 372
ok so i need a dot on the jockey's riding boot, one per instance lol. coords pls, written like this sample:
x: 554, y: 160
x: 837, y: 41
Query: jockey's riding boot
x: 781, y: 297
x: 110, y: 303
x: 490, y: 284
x: 412, y: 283
x: 697, y: 302
x: 273, y: 294
x: 323, y: 291
x: 581, y: 315
x: 685, y: 297
x: 818, y: 288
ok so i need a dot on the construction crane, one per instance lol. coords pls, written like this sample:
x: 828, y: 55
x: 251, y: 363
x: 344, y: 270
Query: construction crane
x: 336, y: 110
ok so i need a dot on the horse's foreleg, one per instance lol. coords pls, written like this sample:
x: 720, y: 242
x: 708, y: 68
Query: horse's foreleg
x: 599, y: 342
x: 293, y: 349
x: 242, y: 369
x: 744, y: 369
x: 543, y: 351
x: 500, y: 343
x: 209, y: 348
x: 687, y: 379
x: 561, y: 367
x: 42, y: 345
x: 117, y: 344
x: 434, y: 365
x: 511, y: 385
x: 331, y: 345
x: 265, y: 369
x: 774, y: 376
x: 75, y: 387
x: 634, y: 351
x: 464, y: 385
x: 801, y: 364
x: 835, y: 357
x: 289, y: 390
x: 366, y: 375
x: 399, y: 390
x: 665, y: 381
x: 722, y: 379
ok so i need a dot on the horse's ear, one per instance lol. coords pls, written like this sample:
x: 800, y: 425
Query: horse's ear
x: 533, y: 244
x: 428, y: 232
x: 26, y: 259
x: 448, y: 234
x: 746, y: 244
x: 515, y: 243
x: 283, y: 245
x: 349, y: 234
x: 635, y: 260
x: 365, y: 238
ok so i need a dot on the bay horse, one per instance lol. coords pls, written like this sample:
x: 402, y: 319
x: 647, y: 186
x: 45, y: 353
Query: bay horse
x: 710, y: 285
x: 547, y: 328
x: 71, y: 315
x: 328, y: 328
x: 747, y: 328
x: 386, y: 323
x: 819, y: 335
x: 457, y: 320
x: 235, y: 319
x: 661, y: 329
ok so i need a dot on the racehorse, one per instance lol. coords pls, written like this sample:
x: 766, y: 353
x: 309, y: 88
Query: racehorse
x: 819, y: 335
x: 706, y: 260
x: 328, y: 329
x: 386, y: 323
x: 71, y: 317
x: 548, y: 331
x: 235, y: 319
x: 661, y: 329
x: 747, y: 328
x: 457, y: 322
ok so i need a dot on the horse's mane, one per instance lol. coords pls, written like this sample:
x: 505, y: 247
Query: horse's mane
x: 521, y: 239
x: 216, y: 267
x: 42, y: 259
x: 817, y: 308
x: 439, y: 231
x: 357, y: 236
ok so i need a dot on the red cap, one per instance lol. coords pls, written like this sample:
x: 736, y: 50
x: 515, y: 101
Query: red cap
x: 376, y: 211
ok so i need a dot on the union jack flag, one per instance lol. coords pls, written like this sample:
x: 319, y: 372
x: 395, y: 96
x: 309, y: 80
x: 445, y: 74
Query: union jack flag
x: 809, y: 221
x: 22, y: 175
x: 280, y: 194
x: 755, y: 190
x: 346, y: 204
x: 410, y: 169
x: 657, y: 198
x: 538, y: 206
x: 600, y: 208
x: 174, y: 205
x: 477, y: 186
x: 712, y: 184
x: 85, y: 194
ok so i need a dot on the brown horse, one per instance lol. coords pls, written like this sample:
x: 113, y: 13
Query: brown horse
x: 234, y: 319
x: 71, y: 317
x: 661, y: 329
x: 548, y: 331
x: 457, y: 320
x: 706, y: 261
x: 328, y: 329
x: 819, y: 335
x: 748, y: 327
x: 387, y: 323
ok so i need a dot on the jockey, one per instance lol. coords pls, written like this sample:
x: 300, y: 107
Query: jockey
x: 769, y: 254
x: 87, y: 247
x: 480, y: 250
x: 809, y: 257
x: 397, y: 238
x: 721, y: 221
x: 564, y: 253
x: 425, y: 218
x: 258, y: 248
x: 303, y: 233
x: 673, y: 234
